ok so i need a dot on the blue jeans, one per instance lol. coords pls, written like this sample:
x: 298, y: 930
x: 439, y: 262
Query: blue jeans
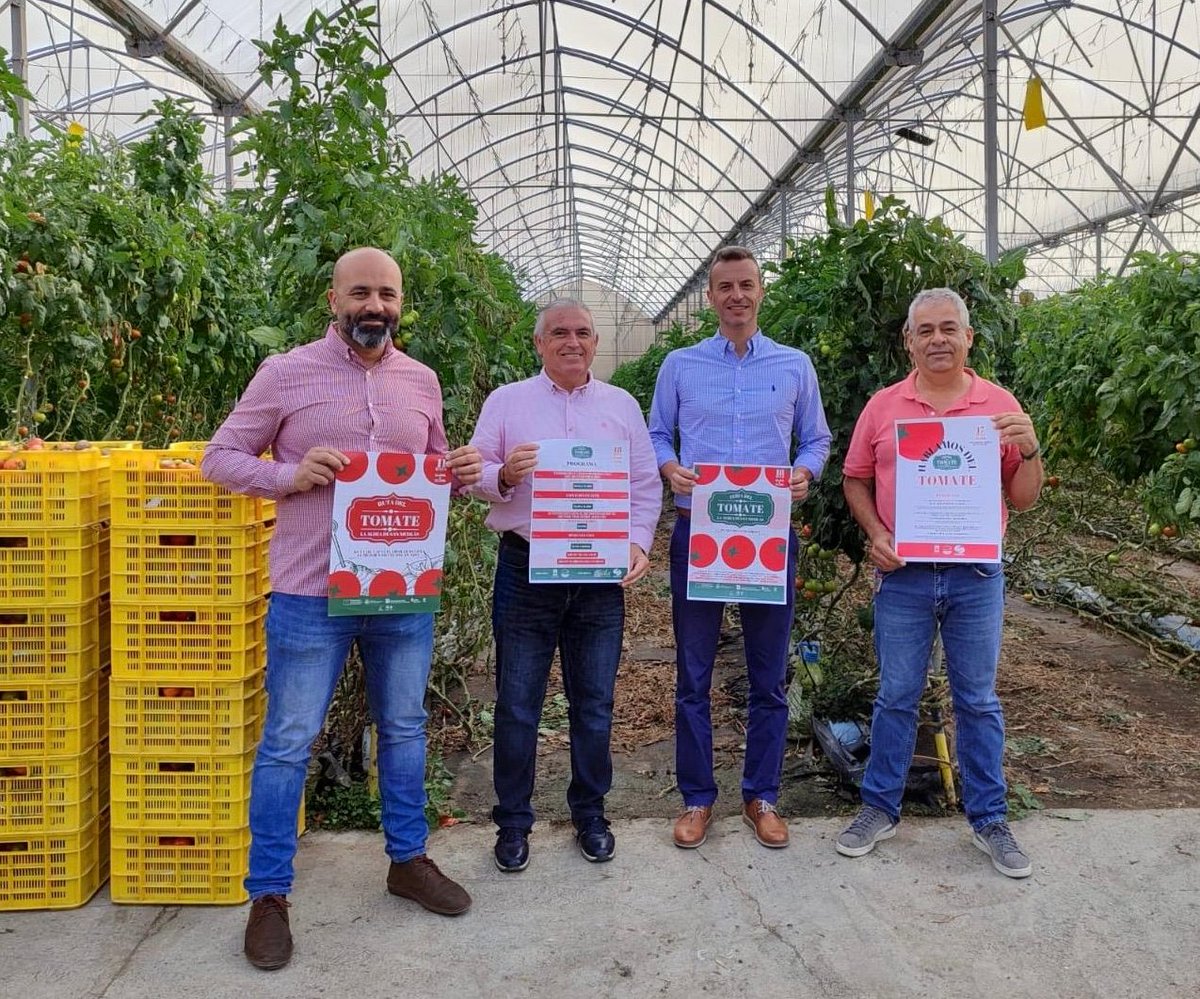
x: 306, y: 649
x: 766, y: 632
x: 967, y: 602
x: 584, y: 621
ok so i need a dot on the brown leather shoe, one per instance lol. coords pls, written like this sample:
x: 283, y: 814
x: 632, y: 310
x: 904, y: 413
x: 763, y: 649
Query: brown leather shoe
x: 268, y: 943
x: 769, y: 829
x: 691, y: 828
x: 420, y: 880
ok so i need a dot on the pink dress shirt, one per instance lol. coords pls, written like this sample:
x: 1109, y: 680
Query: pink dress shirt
x: 319, y: 394
x: 872, y: 450
x: 537, y: 409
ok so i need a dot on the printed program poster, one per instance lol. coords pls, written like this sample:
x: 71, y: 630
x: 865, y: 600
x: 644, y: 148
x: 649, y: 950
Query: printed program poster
x: 948, y: 490
x: 389, y: 534
x: 739, y: 544
x: 579, y: 516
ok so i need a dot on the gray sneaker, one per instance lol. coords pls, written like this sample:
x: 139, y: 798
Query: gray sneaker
x: 868, y: 828
x: 998, y: 842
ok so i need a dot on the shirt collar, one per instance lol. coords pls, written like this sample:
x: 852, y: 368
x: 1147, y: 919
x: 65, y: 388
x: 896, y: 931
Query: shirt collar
x: 756, y: 344
x: 977, y: 393
x: 551, y: 386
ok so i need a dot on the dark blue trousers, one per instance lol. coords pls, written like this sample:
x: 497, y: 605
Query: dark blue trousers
x: 766, y: 633
x: 584, y: 621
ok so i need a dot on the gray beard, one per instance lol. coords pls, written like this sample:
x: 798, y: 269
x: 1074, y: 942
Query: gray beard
x: 368, y: 339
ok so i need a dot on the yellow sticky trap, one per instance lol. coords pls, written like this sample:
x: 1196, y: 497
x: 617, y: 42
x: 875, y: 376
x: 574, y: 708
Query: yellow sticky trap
x: 1033, y: 114
x: 868, y: 205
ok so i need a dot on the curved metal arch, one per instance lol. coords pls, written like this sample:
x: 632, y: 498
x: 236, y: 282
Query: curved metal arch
x: 602, y: 154
x: 616, y: 105
x: 630, y: 71
x: 1030, y: 168
x: 519, y: 203
x: 1138, y: 112
x: 604, y: 235
x: 634, y: 24
x: 923, y: 157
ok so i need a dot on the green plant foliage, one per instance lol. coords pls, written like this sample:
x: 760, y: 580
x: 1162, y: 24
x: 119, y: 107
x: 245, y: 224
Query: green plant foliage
x: 330, y: 165
x: 11, y: 87
x: 124, y: 288
x: 338, y: 808
x: 843, y: 298
x: 1112, y: 371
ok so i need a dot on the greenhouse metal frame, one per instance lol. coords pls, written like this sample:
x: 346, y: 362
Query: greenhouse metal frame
x: 620, y: 143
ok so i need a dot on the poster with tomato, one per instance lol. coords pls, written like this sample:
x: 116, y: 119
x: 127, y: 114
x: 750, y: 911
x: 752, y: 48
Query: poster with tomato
x: 738, y: 548
x: 949, y: 507
x: 579, y: 513
x: 389, y: 534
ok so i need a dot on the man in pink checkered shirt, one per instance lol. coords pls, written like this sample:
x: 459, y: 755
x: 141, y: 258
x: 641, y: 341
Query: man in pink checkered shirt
x: 352, y: 390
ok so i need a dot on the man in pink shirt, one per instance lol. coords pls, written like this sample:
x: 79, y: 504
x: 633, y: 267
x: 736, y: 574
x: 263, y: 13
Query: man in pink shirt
x: 352, y: 390
x: 964, y: 600
x: 584, y: 621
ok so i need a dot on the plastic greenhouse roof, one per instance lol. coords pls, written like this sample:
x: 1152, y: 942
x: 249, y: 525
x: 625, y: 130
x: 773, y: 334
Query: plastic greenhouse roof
x: 622, y: 141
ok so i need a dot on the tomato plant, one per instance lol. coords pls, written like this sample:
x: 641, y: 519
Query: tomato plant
x: 125, y: 288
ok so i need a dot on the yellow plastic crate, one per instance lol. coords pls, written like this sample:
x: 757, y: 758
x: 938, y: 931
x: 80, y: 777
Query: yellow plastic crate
x: 105, y: 623
x: 179, y: 867
x: 102, y: 700
x: 44, y: 796
x: 194, y: 566
x: 49, y: 644
x: 49, y: 567
x: 196, y: 792
x: 106, y: 448
x: 183, y: 715
x: 52, y: 870
x: 217, y: 642
x: 145, y: 494
x: 55, y: 489
x: 49, y: 719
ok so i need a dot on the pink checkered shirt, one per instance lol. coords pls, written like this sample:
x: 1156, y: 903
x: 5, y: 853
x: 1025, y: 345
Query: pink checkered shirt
x: 319, y: 394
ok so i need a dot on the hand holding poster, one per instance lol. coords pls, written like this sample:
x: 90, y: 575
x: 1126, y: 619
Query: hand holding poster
x: 389, y: 534
x: 948, y: 499
x: 739, y: 542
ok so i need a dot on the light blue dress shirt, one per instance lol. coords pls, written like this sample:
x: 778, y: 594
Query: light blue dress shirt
x: 739, y: 410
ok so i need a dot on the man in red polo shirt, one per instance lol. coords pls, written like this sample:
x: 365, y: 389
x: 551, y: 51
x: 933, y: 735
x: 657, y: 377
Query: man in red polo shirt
x: 964, y: 600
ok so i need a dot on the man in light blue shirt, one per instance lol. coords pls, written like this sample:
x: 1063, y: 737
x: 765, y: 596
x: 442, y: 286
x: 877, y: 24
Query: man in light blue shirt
x: 738, y: 398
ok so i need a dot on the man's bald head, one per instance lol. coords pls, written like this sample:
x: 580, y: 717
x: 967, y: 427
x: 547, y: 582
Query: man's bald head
x: 362, y: 258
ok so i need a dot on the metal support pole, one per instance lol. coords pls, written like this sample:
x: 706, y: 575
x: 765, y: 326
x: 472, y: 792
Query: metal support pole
x: 228, y: 152
x: 850, y: 195
x: 19, y: 63
x: 991, y: 172
x: 1099, y: 250
x: 783, y: 221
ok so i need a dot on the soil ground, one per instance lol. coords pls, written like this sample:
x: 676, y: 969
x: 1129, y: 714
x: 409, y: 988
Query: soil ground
x: 1095, y: 720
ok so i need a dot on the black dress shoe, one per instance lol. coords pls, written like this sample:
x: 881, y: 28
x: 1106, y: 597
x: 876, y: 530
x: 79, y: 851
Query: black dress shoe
x: 595, y: 841
x: 512, y: 850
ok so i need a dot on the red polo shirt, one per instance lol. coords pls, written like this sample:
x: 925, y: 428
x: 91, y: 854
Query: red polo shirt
x: 872, y: 451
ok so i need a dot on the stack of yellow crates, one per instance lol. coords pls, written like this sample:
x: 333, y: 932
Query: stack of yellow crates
x: 189, y: 599
x: 53, y: 799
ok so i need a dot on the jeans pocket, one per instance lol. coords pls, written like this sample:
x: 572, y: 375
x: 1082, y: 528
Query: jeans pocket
x: 878, y: 579
x: 988, y: 570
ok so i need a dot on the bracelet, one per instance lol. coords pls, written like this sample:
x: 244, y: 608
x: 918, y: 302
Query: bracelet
x: 1029, y: 457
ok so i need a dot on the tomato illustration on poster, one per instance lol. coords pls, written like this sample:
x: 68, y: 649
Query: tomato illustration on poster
x: 389, y: 534
x: 739, y: 542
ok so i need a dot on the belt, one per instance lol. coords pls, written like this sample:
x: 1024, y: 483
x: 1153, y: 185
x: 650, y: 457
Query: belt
x: 682, y: 511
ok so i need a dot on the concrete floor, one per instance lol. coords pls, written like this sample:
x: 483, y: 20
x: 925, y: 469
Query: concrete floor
x: 1112, y: 910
